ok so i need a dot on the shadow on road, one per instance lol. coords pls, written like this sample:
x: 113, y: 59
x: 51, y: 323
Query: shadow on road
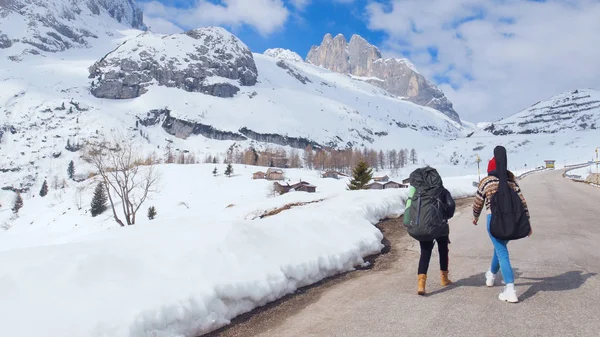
x: 566, y: 281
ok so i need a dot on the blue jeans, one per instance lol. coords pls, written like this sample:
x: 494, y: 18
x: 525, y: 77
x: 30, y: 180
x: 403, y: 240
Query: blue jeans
x: 500, y: 260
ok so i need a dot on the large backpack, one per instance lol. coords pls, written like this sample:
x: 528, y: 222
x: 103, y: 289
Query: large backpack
x: 429, y: 206
x: 509, y: 219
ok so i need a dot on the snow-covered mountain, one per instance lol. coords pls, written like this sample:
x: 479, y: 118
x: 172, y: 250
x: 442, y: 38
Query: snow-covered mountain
x: 283, y: 54
x: 208, y: 60
x: 573, y: 110
x: 565, y: 128
x: 201, y: 91
x: 37, y: 26
x: 364, y: 61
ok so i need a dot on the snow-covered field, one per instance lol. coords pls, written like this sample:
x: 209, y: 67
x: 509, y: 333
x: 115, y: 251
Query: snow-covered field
x: 582, y: 173
x: 206, y: 258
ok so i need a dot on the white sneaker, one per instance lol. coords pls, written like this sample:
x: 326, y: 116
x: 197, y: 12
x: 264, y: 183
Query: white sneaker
x: 509, y: 294
x: 489, y: 279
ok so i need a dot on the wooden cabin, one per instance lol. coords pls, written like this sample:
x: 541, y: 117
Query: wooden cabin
x: 393, y: 184
x: 259, y: 175
x: 274, y: 174
x: 383, y: 179
x: 374, y: 186
x: 331, y: 174
x: 304, y: 186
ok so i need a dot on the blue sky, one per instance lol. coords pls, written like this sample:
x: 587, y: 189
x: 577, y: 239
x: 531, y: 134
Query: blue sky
x: 491, y: 58
x: 304, y: 27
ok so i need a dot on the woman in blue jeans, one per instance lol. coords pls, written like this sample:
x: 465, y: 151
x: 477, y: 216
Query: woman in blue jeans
x: 487, y: 188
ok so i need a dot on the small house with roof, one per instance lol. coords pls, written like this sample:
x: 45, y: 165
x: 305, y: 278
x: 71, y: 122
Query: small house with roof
x: 383, y: 179
x: 274, y: 174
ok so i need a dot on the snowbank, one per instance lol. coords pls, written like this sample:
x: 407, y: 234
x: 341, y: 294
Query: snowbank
x: 184, y: 273
x: 184, y: 277
x: 193, y: 268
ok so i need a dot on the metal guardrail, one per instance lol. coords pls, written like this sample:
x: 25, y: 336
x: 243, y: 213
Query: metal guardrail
x: 523, y: 175
x: 569, y: 168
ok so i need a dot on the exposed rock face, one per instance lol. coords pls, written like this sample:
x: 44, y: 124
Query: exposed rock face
x: 57, y: 25
x: 5, y: 42
x: 293, y: 72
x: 183, y: 129
x: 397, y: 76
x: 575, y: 110
x: 207, y: 60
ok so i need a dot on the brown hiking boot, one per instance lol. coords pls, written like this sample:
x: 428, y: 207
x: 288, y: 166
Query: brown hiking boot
x: 421, y: 286
x: 445, y: 280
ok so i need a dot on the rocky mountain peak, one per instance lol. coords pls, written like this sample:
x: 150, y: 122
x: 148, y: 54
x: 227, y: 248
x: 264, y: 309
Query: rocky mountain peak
x: 283, y: 54
x: 208, y: 60
x: 35, y: 26
x: 397, y: 76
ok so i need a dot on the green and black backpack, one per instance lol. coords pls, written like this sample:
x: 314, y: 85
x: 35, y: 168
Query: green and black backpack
x: 429, y: 206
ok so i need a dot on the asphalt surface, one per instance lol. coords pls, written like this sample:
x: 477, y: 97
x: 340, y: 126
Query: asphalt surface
x: 556, y: 272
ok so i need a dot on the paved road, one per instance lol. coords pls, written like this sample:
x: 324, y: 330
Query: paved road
x: 556, y: 279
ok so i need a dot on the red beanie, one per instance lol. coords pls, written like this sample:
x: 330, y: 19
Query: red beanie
x: 492, y: 165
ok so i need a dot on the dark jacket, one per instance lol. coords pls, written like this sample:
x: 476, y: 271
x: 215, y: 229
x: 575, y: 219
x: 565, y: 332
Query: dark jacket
x: 429, y: 207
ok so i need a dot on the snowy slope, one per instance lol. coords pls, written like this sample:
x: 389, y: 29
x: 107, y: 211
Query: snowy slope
x: 283, y: 54
x: 574, y: 110
x: 295, y: 101
x: 38, y: 26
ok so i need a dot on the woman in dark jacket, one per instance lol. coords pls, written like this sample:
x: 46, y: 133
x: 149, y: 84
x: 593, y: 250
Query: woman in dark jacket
x: 428, y: 209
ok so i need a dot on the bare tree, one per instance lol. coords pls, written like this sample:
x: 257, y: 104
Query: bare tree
x: 309, y: 157
x: 413, y: 156
x: 381, y: 158
x: 79, y: 196
x: 124, y: 180
x: 169, y: 154
x: 393, y: 159
x: 402, y: 158
x: 295, y: 161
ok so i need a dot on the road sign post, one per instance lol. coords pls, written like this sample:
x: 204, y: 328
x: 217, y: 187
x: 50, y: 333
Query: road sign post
x: 479, y: 171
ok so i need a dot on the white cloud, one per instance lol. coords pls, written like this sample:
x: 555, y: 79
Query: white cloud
x: 160, y: 25
x: 266, y: 16
x: 300, y: 4
x: 516, y: 52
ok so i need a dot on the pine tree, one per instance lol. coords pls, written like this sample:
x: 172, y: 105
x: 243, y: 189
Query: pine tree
x: 44, y: 190
x: 151, y: 212
x: 361, y: 175
x: 215, y: 171
x: 229, y: 170
x: 18, y: 203
x: 71, y: 169
x: 215, y: 161
x: 99, y: 200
